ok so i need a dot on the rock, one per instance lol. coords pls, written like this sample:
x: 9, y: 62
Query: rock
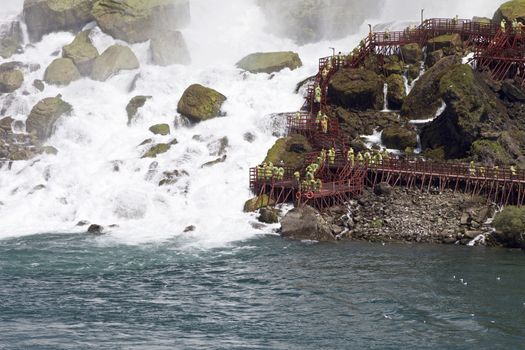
x: 471, y: 234
x: 115, y: 59
x: 137, y: 21
x: 423, y: 101
x: 510, y: 227
x: 214, y: 162
x: 289, y: 151
x: 44, y: 115
x: 394, y: 67
x: 396, y: 91
x: 47, y: 16
x: 61, y: 71
x: 83, y: 223
x: 134, y: 105
x: 39, y: 85
x: 249, y: 137
x: 270, y: 62
x: 412, y: 53
x: 219, y: 147
x: 11, y: 80
x: 95, y: 229
x: 160, y: 129
x: 255, y: 203
x: 356, y: 89
x: 190, y: 228
x: 157, y: 149
x: 49, y: 150
x: 6, y: 124
x: 398, y: 137
x: 11, y: 38
x: 449, y: 43
x: 509, y: 11
x: 434, y: 57
x: 82, y: 52
x: 489, y: 152
x: 305, y: 223
x: 382, y: 189
x: 513, y: 93
x: 269, y: 216
x: 199, y: 103
x: 172, y: 177
x: 469, y: 103
x: 169, y: 47
x: 465, y: 219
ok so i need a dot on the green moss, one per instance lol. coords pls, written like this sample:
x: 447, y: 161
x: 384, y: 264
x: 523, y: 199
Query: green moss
x: 155, y: 150
x: 488, y: 151
x: 396, y: 91
x: 377, y: 224
x: 399, y: 138
x: 160, y: 129
x: 435, y: 154
x: 200, y: 103
x: 510, y: 10
x: 256, y: 203
x: 290, y: 150
x: 510, y: 226
x: 269, y: 62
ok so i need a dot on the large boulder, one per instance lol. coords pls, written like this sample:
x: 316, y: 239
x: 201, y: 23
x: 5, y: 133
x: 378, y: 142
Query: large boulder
x: 10, y: 80
x: 412, y: 53
x: 11, y: 38
x: 289, y: 150
x: 400, y: 138
x: 510, y: 227
x: 169, y: 47
x: 449, y: 43
x: 469, y: 105
x: 396, y: 91
x: 359, y: 89
x: 199, y: 103
x: 61, y: 71
x: 423, y: 101
x: 134, y: 105
x: 270, y: 62
x: 157, y: 149
x: 255, y: 203
x: 115, y: 59
x: 137, y: 21
x: 305, y: 223
x: 510, y: 10
x: 47, y: 16
x: 82, y: 52
x: 44, y: 115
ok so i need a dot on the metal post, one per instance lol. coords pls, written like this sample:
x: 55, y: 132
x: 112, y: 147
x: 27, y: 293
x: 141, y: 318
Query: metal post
x: 422, y: 15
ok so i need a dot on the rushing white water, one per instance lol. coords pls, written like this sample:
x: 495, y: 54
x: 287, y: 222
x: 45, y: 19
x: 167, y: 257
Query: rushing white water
x: 81, y: 182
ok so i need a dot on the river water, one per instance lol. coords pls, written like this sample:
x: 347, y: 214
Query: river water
x: 80, y: 292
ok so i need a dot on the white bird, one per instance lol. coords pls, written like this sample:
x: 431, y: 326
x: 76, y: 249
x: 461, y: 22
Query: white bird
x: 498, y: 278
x: 387, y: 317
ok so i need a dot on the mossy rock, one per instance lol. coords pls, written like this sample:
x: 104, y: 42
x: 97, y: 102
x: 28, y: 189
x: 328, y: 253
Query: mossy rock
x: 160, y: 129
x: 289, y: 151
x: 134, y: 105
x: 413, y: 72
x: 115, y: 59
x: 44, y: 115
x: 394, y: 68
x: 510, y: 10
x: 359, y: 89
x: 489, y: 152
x: 255, y: 203
x: 82, y: 52
x: 157, y: 149
x: 11, y: 80
x: 270, y: 62
x: 434, y: 57
x: 47, y: 16
x: 449, y: 43
x: 398, y: 137
x: 169, y: 47
x: 412, y: 53
x: 138, y: 20
x: 61, y: 71
x: 199, y: 103
x: 510, y: 227
x: 39, y: 85
x: 11, y: 38
x: 396, y: 91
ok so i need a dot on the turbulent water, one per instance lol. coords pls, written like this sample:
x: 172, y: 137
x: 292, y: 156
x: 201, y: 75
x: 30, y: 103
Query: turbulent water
x: 76, y: 292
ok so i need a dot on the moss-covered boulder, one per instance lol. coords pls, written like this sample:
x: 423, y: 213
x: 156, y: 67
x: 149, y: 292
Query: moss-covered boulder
x: 489, y: 152
x: 258, y: 202
x: 434, y: 57
x: 412, y: 53
x: 82, y: 52
x: 157, y: 149
x: 510, y: 10
x: 134, y: 105
x: 400, y: 138
x: 115, y: 59
x: 423, y: 101
x: 47, y: 16
x: 394, y: 67
x: 10, y: 80
x: 169, y: 47
x: 44, y: 115
x: 510, y: 227
x: 359, y: 89
x: 270, y: 62
x: 61, y: 71
x: 160, y: 129
x: 137, y: 20
x: 289, y: 151
x: 199, y: 103
x: 11, y: 38
x: 449, y: 43
x: 396, y: 91
x: 469, y: 104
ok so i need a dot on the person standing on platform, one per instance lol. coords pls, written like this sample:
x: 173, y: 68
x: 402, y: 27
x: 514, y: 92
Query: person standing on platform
x: 318, y: 94
x: 324, y: 124
x: 503, y: 25
x: 472, y: 168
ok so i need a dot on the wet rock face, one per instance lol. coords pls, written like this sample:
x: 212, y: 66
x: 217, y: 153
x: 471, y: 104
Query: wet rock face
x: 115, y: 59
x: 134, y: 105
x: 270, y: 62
x: 400, y: 138
x: 11, y: 38
x: 510, y: 227
x: 61, y: 71
x: 412, y: 53
x: 10, y: 80
x: 137, y: 21
x: 44, y: 115
x: 306, y: 223
x: 82, y: 52
x: 255, y: 203
x: 169, y: 47
x: 47, y: 16
x: 449, y: 44
x: 509, y: 11
x: 359, y: 89
x: 199, y: 103
x: 289, y: 151
x: 396, y: 91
